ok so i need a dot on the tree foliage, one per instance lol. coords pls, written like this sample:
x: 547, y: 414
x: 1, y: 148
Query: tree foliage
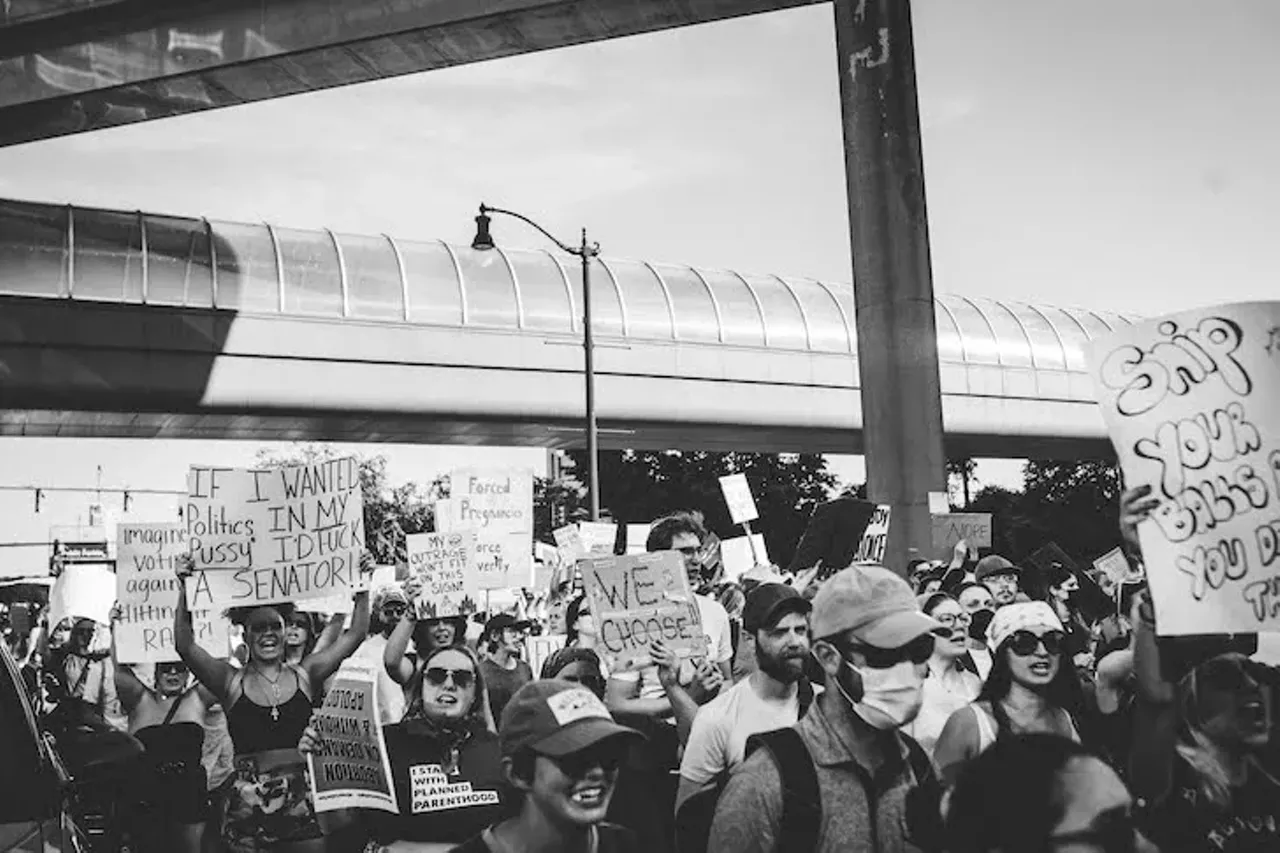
x: 1070, y: 503
x: 640, y: 486
x: 390, y: 512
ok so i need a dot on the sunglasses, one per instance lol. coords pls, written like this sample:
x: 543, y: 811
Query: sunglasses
x: 917, y: 651
x: 576, y: 765
x: 462, y: 678
x: 1024, y: 643
x: 265, y: 627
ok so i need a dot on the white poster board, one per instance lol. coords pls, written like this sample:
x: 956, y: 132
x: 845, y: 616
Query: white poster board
x: 1192, y: 403
x: 444, y: 565
x: 268, y: 536
x: 737, y: 494
x: 875, y: 537
x: 498, y: 505
x: 598, y: 537
x: 637, y: 538
x: 147, y: 591
x: 740, y: 555
x: 82, y: 591
x: 1114, y: 565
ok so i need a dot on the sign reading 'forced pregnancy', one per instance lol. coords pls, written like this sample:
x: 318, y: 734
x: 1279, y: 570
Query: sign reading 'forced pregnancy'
x: 263, y: 536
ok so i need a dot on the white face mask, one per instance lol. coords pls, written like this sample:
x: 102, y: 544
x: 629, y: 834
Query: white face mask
x: 890, y: 697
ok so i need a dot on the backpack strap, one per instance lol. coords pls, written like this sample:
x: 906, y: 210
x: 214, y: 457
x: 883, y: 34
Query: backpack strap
x: 804, y: 695
x: 801, y: 798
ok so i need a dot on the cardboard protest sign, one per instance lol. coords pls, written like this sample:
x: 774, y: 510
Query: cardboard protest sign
x: 82, y: 591
x: 740, y: 555
x: 1192, y: 403
x: 599, y: 537
x: 951, y: 527
x: 265, y: 536
x: 498, y: 506
x: 569, y: 543
x: 737, y: 494
x: 349, y: 768
x: 444, y: 564
x: 875, y: 537
x: 638, y: 599
x: 147, y: 591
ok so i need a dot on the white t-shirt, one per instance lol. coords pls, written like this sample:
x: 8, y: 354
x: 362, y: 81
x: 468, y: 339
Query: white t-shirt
x: 944, y: 692
x: 719, y: 735
x: 715, y: 626
x: 391, y: 699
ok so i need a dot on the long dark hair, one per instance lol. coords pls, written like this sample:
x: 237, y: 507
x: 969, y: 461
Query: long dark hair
x: 571, y: 614
x: 1063, y: 691
x: 1010, y: 797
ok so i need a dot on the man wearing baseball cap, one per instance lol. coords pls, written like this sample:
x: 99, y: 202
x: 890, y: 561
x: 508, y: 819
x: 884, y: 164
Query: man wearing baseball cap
x: 561, y: 750
x: 847, y: 773
x: 504, y: 670
x: 1000, y: 576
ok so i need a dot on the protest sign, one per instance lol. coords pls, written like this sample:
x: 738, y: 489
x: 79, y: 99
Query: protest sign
x: 637, y: 538
x: 1192, y: 403
x: 265, y: 536
x: 444, y: 516
x: 737, y: 494
x: 569, y: 543
x: 82, y: 591
x: 740, y: 555
x: 147, y: 591
x: 951, y: 527
x: 598, y: 537
x: 546, y: 566
x: 444, y: 565
x: 875, y: 537
x: 349, y: 768
x: 1114, y: 565
x: 638, y: 599
x: 939, y: 502
x: 498, y: 506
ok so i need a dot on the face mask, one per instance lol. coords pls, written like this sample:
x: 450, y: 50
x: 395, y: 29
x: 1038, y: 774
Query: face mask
x: 981, y: 621
x: 890, y: 697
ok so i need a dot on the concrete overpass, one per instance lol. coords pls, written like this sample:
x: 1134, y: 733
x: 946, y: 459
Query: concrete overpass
x: 68, y: 66
x: 116, y: 323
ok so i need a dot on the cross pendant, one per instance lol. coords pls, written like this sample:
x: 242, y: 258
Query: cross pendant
x: 275, y: 715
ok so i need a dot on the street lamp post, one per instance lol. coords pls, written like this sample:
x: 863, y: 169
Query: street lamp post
x: 585, y: 252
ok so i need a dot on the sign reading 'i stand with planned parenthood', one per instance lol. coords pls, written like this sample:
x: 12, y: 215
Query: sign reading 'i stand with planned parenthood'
x: 264, y: 536
x: 1192, y: 403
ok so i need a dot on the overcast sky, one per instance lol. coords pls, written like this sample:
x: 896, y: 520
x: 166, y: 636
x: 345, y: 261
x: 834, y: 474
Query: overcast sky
x: 1099, y: 154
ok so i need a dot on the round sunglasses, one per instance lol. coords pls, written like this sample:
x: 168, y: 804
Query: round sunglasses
x: 1024, y: 643
x: 438, y: 675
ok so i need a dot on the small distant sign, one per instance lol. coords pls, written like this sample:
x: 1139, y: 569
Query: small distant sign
x: 875, y: 537
x: 737, y: 494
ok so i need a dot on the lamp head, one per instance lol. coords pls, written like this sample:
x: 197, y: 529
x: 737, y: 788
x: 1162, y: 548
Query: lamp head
x: 483, y: 240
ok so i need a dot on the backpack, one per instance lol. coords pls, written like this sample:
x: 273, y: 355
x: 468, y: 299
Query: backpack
x: 802, y: 799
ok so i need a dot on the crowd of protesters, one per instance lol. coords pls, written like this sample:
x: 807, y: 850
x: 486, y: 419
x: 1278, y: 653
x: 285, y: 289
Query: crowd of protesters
x: 971, y: 706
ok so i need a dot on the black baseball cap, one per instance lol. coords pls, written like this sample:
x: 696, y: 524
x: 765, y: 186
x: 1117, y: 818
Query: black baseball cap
x: 506, y: 620
x: 768, y: 603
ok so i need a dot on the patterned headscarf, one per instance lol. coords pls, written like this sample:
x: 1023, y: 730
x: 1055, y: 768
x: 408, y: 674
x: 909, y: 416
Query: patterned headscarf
x: 1019, y: 617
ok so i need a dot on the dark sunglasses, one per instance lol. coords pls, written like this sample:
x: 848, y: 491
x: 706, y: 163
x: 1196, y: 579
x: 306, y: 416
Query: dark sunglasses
x: 917, y: 651
x: 1024, y: 643
x: 438, y: 675
x: 577, y: 765
x: 264, y: 627
x: 170, y: 669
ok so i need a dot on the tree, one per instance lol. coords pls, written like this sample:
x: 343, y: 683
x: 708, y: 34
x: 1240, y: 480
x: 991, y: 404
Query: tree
x: 390, y: 512
x: 640, y: 486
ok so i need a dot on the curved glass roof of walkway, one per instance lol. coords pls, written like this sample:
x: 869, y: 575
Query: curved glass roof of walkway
x: 81, y: 253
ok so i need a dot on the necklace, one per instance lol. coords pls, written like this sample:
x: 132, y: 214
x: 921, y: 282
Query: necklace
x: 275, y: 689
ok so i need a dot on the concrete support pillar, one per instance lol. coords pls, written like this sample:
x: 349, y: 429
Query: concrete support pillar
x: 893, y: 285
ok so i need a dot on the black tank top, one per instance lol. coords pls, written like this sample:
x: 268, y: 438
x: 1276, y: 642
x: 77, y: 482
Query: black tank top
x: 172, y: 743
x: 253, y: 728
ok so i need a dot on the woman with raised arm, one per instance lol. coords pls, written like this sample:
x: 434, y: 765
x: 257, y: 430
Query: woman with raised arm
x: 268, y: 705
x: 169, y: 794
